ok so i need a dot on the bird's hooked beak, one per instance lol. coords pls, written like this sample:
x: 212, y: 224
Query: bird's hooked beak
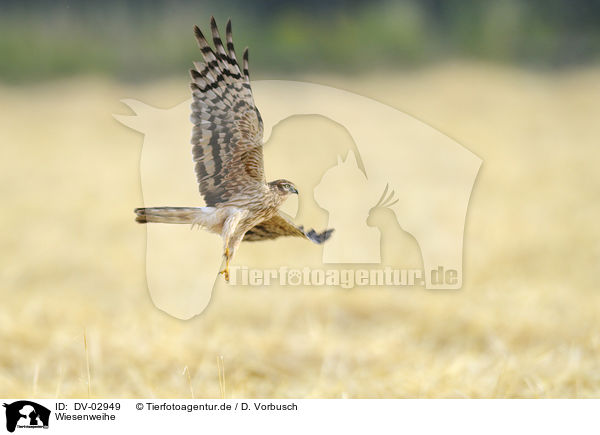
x: 293, y: 190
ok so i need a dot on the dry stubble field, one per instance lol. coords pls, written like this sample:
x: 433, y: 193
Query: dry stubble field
x: 525, y: 324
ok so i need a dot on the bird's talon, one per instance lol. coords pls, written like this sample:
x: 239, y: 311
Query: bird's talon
x: 225, y: 273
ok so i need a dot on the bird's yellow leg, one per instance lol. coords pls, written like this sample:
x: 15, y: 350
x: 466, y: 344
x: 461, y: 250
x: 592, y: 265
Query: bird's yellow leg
x: 225, y: 272
x: 231, y: 238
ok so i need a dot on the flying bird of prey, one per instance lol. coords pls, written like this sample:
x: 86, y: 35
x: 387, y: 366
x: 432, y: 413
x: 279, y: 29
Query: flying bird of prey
x: 227, y: 147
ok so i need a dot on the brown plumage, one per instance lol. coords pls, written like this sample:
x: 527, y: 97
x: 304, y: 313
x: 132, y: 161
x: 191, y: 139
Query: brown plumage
x: 228, y: 153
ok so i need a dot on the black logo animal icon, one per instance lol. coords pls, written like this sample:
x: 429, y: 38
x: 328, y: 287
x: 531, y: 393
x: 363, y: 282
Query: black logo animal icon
x: 35, y: 415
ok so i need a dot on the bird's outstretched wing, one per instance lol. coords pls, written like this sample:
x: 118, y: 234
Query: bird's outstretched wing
x: 282, y: 225
x: 228, y: 130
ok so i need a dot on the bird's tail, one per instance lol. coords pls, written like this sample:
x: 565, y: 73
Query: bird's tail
x: 169, y: 215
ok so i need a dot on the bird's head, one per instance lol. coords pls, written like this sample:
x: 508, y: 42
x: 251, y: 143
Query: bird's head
x: 283, y: 187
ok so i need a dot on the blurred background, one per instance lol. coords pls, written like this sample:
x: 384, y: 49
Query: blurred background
x: 135, y: 40
x: 516, y: 82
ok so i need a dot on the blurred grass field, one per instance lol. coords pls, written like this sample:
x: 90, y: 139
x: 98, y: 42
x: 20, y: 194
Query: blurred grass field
x: 525, y: 324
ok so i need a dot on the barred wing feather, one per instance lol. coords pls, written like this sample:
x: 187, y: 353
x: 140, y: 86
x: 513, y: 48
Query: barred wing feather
x: 282, y: 225
x: 228, y: 129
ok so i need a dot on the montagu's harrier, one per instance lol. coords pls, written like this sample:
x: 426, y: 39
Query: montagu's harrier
x: 228, y: 151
